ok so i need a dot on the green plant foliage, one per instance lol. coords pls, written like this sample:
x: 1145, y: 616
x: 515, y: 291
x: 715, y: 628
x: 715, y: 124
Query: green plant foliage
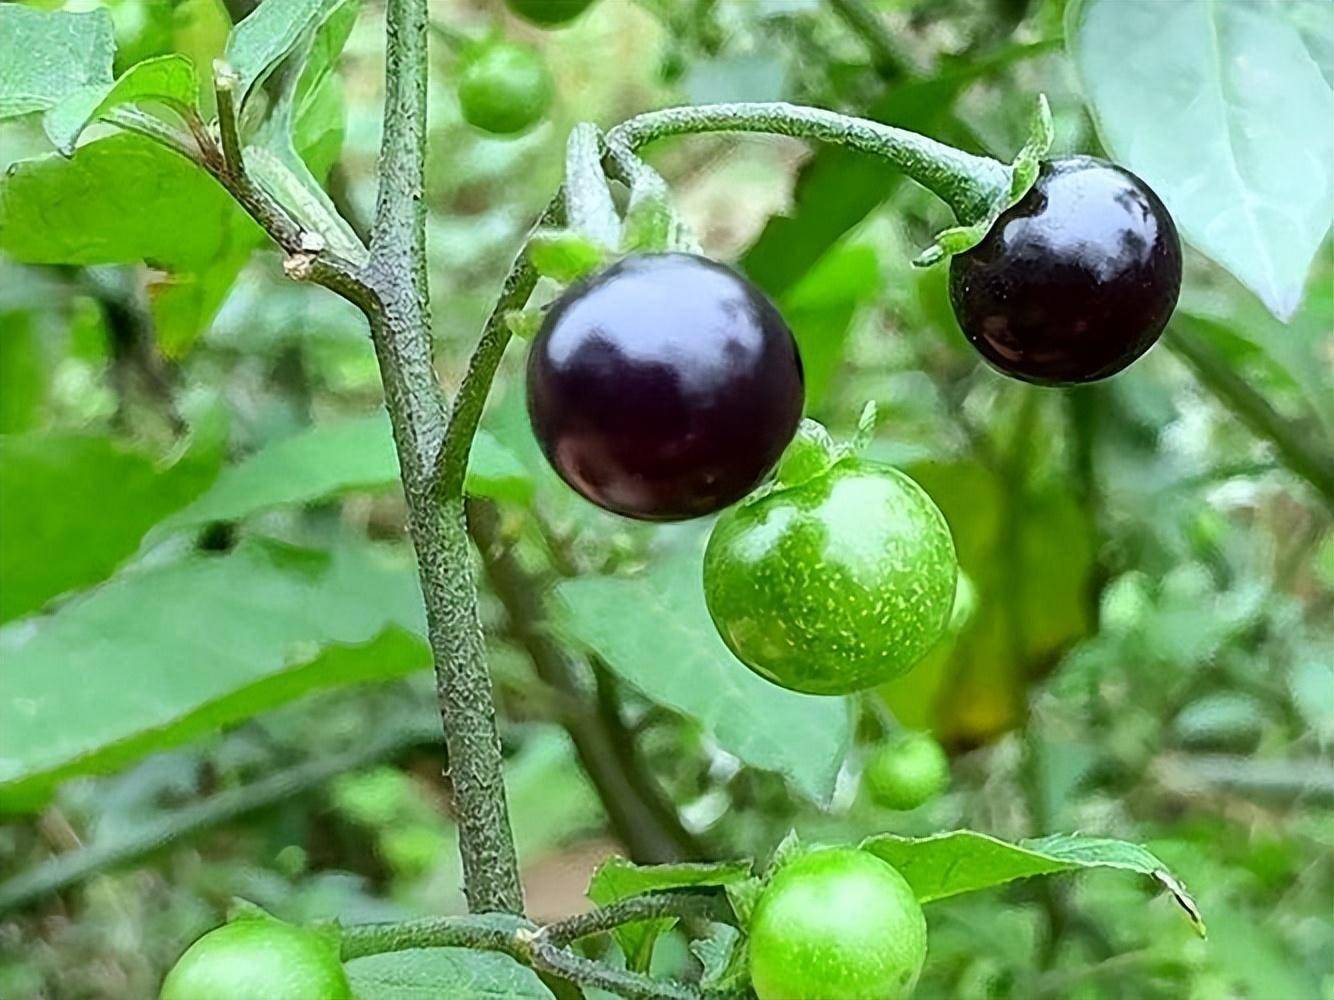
x: 48, y: 485
x: 1243, y: 156
x: 458, y: 973
x: 269, y: 35
x: 45, y: 56
x: 672, y: 654
x: 169, y: 79
x: 268, y: 623
x: 946, y: 864
x: 617, y: 879
x: 328, y: 460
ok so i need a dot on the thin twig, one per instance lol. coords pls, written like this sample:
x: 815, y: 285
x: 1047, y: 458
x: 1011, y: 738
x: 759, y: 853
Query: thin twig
x: 70, y: 869
x: 1303, y: 452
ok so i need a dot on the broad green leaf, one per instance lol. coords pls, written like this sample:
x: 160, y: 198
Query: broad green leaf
x: 120, y: 199
x: 334, y: 458
x: 1219, y: 105
x: 268, y: 35
x: 47, y: 55
x: 75, y: 506
x: 433, y: 973
x: 670, y: 651
x: 617, y: 879
x: 161, y: 654
x: 168, y: 79
x: 947, y: 864
x: 301, y: 79
x: 24, y: 374
x: 124, y: 198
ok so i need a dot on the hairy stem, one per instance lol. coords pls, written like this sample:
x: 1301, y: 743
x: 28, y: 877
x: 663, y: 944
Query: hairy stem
x: 971, y: 185
x: 544, y: 948
x: 400, y: 329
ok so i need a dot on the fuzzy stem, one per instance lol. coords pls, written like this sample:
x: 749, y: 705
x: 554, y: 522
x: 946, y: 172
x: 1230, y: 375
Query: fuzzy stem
x: 400, y: 330
x: 543, y: 948
x: 971, y: 185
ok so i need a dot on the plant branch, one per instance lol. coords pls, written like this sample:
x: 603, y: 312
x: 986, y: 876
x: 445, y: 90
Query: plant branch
x: 401, y: 332
x: 399, y: 230
x: 1303, y: 453
x: 466, y: 413
x: 709, y: 906
x: 543, y: 948
x: 66, y: 870
x: 224, y: 89
x: 971, y: 185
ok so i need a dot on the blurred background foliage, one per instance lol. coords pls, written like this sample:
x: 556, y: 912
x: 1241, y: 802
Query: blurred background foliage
x: 214, y: 683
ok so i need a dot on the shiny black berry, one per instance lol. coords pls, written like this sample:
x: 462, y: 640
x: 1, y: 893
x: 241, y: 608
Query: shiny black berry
x: 665, y: 387
x: 1074, y: 282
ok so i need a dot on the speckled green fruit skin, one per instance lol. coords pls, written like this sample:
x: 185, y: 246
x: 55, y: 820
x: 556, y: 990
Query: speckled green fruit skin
x: 548, y: 13
x: 257, y: 958
x: 907, y: 771
x: 504, y: 89
x: 835, y: 585
x: 837, y: 924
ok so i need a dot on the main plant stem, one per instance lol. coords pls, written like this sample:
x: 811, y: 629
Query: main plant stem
x: 400, y: 329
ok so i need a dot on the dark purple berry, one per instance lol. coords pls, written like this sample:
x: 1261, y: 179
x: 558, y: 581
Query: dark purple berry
x: 665, y: 387
x: 1076, y: 281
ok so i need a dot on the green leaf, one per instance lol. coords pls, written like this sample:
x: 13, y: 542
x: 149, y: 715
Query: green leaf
x: 75, y: 506
x: 124, y: 199
x: 335, y: 458
x: 617, y: 879
x: 273, y: 159
x: 723, y: 955
x: 670, y: 651
x: 433, y: 973
x: 46, y: 56
x: 822, y: 306
x: 947, y: 864
x: 159, y: 655
x: 1222, y: 109
x: 268, y: 35
x: 588, y: 204
x: 169, y: 79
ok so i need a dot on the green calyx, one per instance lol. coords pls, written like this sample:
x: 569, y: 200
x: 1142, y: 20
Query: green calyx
x: 1023, y: 175
x: 595, y: 235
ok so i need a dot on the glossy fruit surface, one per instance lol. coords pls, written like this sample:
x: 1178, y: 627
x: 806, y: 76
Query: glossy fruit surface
x: 907, y: 771
x: 1076, y: 281
x: 504, y: 88
x: 835, y: 585
x: 258, y: 958
x: 836, y: 924
x: 548, y: 13
x: 665, y: 387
